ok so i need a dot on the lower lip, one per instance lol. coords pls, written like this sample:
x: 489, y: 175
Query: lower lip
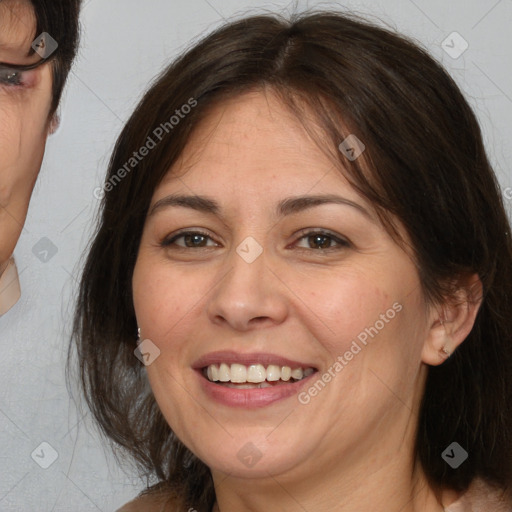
x: 251, y: 398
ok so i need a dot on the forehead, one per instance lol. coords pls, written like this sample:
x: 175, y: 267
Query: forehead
x: 17, y: 31
x: 252, y: 145
x: 254, y: 129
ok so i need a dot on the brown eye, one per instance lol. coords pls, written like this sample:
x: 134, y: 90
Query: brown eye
x: 191, y: 239
x: 321, y: 240
x: 11, y: 77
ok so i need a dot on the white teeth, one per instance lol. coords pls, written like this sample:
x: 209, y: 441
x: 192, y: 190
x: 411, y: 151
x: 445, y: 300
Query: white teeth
x: 254, y: 374
x: 224, y: 373
x: 273, y: 373
x: 213, y: 372
x: 297, y: 374
x: 238, y: 373
x: 286, y: 373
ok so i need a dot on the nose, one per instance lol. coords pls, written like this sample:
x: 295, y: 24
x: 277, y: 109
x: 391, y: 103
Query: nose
x: 250, y: 295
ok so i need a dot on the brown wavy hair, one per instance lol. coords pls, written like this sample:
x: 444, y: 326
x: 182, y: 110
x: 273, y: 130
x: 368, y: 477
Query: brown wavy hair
x: 425, y: 164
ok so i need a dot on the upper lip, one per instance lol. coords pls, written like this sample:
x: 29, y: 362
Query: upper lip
x: 263, y: 358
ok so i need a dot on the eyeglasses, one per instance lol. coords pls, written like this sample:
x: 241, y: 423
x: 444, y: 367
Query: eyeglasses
x: 41, y: 43
x: 26, y: 67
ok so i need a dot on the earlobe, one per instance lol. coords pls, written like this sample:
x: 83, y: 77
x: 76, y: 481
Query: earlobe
x: 54, y: 124
x: 452, y: 321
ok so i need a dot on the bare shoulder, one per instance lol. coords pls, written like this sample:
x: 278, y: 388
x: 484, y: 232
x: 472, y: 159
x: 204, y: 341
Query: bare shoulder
x: 150, y: 503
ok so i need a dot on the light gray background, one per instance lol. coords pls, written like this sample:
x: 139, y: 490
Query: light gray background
x: 124, y: 44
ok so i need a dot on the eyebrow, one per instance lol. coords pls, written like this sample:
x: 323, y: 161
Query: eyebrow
x: 287, y: 206
x: 8, y: 46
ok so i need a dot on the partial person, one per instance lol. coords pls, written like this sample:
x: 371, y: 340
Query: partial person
x: 38, y: 42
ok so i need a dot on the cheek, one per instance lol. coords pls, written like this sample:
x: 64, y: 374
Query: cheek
x: 22, y: 135
x: 164, y: 308
x: 341, y: 308
x: 163, y: 300
x: 367, y: 318
x: 10, y: 132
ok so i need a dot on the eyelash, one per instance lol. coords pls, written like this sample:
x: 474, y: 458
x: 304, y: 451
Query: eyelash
x: 5, y: 81
x: 342, y: 244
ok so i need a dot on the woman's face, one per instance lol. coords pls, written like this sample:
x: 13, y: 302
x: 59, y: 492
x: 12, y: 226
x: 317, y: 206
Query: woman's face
x: 286, y: 266
x: 25, y: 101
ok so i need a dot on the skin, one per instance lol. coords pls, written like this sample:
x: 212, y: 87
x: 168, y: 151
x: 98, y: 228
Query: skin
x: 351, y: 447
x: 24, y: 122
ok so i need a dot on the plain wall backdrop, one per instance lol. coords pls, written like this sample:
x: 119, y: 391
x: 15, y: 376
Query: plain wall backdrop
x: 125, y: 43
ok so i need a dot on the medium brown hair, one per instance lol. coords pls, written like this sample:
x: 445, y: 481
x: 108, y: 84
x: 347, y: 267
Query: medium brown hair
x: 425, y: 164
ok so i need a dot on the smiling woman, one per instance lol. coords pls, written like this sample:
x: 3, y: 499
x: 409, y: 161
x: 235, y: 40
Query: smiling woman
x: 37, y: 45
x: 320, y: 225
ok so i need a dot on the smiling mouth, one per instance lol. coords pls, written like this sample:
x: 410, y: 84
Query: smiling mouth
x: 254, y: 376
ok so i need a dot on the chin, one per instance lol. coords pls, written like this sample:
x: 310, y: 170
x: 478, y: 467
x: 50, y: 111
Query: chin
x: 252, y: 458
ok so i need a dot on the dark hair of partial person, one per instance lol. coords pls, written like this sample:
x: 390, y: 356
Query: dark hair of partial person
x: 424, y: 164
x: 59, y: 18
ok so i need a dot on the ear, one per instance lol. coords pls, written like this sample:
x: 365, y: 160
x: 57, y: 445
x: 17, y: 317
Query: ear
x: 54, y: 124
x: 451, y: 322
